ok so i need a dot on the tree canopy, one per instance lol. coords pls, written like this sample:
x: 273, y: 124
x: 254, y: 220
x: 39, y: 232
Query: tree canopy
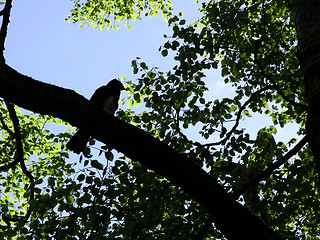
x: 177, y: 163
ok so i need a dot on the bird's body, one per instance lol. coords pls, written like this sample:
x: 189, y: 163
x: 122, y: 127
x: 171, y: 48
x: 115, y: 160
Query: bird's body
x: 106, y: 98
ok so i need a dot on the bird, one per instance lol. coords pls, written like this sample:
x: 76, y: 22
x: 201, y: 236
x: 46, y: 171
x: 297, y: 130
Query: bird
x: 106, y: 98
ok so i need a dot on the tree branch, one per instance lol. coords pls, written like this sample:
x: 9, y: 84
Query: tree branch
x: 178, y: 129
x: 19, y: 156
x: 5, y: 13
x: 16, y: 160
x: 242, y: 108
x: 268, y: 171
x: 9, y: 165
x: 264, y: 174
x: 232, y: 219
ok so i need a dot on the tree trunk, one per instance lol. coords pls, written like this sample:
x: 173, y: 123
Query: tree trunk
x: 307, y: 19
x: 231, y: 218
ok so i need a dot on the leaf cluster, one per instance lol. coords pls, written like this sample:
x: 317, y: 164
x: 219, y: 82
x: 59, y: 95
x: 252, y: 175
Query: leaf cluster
x: 43, y: 158
x: 101, y: 14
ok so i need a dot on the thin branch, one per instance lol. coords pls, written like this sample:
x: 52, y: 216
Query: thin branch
x: 178, y: 129
x: 16, y: 161
x: 9, y: 165
x: 273, y: 86
x: 242, y: 108
x: 264, y: 174
x: 270, y: 169
x: 19, y: 156
x: 5, y: 13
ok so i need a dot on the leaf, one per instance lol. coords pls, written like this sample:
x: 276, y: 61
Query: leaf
x: 130, y: 103
x: 246, y: 112
x: 81, y: 177
x: 182, y: 22
x: 109, y: 155
x: 96, y: 164
x: 164, y: 52
x: 70, y: 199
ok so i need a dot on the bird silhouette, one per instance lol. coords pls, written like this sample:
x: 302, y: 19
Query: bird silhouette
x: 106, y: 98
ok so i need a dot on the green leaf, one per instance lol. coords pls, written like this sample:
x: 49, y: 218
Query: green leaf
x: 109, y: 155
x: 164, y: 52
x: 81, y: 177
x: 70, y: 199
x: 96, y: 164
x: 246, y: 112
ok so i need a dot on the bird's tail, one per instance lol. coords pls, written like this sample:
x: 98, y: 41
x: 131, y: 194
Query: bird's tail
x: 78, y: 142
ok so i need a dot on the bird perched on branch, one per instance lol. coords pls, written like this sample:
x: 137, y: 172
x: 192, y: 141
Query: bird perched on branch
x: 106, y: 98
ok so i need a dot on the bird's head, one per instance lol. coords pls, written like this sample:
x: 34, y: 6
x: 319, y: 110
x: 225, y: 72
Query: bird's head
x: 116, y: 84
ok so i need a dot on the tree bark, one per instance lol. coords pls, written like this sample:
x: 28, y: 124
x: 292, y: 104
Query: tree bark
x: 231, y: 218
x: 307, y: 20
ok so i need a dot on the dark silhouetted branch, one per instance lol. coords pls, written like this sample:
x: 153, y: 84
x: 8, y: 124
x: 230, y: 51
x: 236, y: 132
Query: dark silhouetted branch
x: 270, y: 169
x: 5, y: 13
x: 230, y: 217
x: 242, y: 108
x: 19, y: 156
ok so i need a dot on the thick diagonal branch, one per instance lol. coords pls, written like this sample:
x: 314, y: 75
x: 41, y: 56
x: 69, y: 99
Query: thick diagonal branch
x: 232, y: 219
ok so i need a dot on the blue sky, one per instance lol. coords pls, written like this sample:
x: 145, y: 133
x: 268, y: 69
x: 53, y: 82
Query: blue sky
x: 42, y: 45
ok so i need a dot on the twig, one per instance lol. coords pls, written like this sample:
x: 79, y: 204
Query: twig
x: 9, y: 165
x: 19, y: 156
x: 264, y: 174
x: 242, y: 108
x: 178, y: 129
x: 16, y: 161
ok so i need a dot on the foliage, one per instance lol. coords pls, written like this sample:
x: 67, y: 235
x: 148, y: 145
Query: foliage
x: 99, y: 12
x: 43, y: 157
x: 254, y: 45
